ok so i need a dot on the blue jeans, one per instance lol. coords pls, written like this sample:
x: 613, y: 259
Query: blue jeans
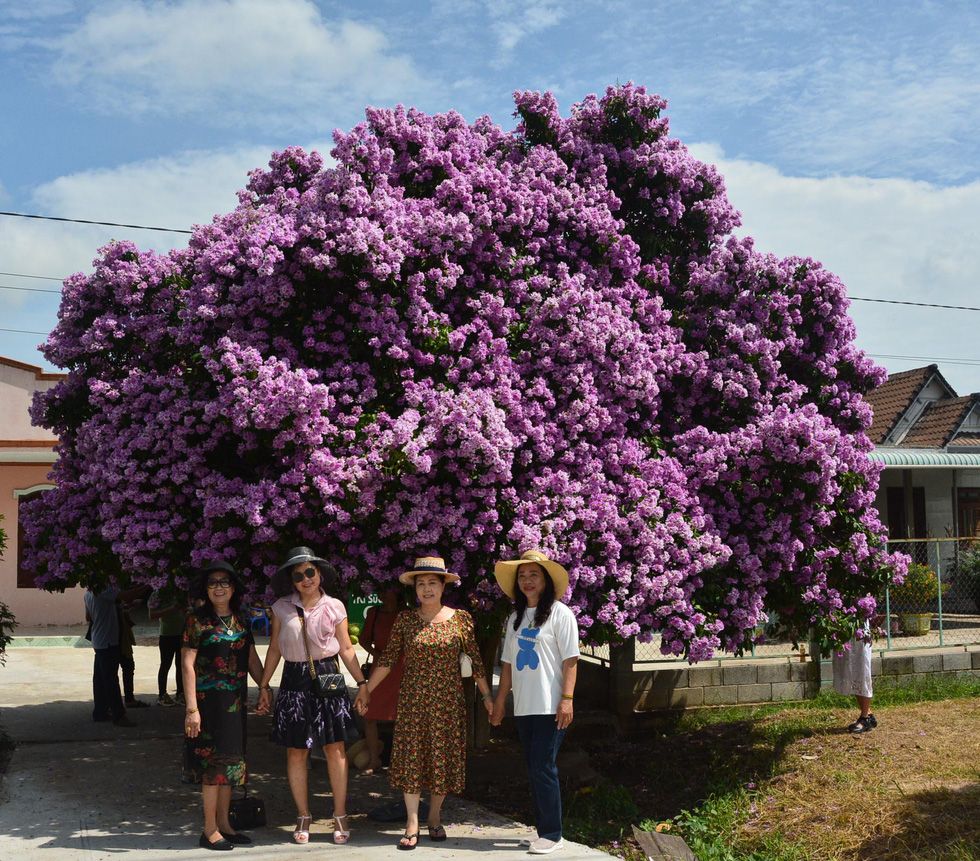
x: 541, y: 739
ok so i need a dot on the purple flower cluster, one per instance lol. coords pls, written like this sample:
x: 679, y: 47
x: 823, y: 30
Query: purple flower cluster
x: 470, y: 342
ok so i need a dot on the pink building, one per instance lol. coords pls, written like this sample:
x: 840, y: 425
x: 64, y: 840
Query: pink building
x: 26, y: 456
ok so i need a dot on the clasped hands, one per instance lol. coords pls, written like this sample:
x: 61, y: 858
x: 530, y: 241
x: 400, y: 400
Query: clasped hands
x: 362, y: 700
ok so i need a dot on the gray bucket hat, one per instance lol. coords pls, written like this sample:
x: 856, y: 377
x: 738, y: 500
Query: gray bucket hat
x: 303, y: 554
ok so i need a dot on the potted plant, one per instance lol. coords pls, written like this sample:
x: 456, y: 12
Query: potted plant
x: 912, y: 599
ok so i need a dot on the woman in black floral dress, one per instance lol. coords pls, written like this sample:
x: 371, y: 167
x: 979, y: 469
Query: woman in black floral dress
x: 217, y: 657
x: 310, y: 626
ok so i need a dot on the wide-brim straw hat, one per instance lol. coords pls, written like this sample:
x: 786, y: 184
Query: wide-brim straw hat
x: 428, y: 565
x: 298, y: 555
x: 506, y: 572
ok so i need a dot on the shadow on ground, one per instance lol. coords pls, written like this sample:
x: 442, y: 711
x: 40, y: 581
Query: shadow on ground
x: 941, y: 824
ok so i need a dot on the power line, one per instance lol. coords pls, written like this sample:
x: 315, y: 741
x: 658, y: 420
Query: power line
x: 25, y: 331
x: 86, y: 221
x: 28, y: 289
x: 970, y: 362
x: 916, y: 304
x: 39, y: 277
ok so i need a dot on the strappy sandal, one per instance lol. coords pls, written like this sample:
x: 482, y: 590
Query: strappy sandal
x: 436, y: 833
x: 301, y: 834
x: 340, y: 834
x: 410, y: 837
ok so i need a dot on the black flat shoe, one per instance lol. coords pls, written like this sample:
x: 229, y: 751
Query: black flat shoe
x: 413, y: 841
x: 437, y: 833
x: 237, y: 838
x: 221, y: 845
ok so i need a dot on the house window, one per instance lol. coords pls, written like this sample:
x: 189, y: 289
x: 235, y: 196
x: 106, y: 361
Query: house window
x: 25, y: 580
x: 968, y: 505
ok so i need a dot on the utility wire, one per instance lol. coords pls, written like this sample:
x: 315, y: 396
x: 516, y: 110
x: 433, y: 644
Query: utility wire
x: 916, y: 304
x: 39, y: 277
x: 86, y: 221
x: 28, y: 289
x: 25, y: 331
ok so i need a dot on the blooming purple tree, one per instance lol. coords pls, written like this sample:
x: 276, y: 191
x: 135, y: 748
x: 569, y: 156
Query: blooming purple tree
x: 469, y: 342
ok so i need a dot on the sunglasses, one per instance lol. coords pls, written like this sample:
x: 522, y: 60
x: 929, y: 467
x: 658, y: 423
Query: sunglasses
x: 308, y: 573
x: 219, y: 584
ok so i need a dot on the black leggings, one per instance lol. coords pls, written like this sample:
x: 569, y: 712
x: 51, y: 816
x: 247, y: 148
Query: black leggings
x: 169, y: 651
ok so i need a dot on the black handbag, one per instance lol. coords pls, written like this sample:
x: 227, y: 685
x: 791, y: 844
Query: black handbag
x: 325, y: 685
x: 246, y: 812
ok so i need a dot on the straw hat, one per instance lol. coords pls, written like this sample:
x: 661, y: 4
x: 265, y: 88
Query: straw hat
x: 428, y: 565
x: 506, y: 572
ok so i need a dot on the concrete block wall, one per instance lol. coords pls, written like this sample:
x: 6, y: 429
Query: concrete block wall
x: 729, y: 683
x: 898, y: 668
x: 626, y: 688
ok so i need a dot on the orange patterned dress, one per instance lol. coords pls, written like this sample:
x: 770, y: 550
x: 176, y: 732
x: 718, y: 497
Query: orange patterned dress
x: 429, y: 750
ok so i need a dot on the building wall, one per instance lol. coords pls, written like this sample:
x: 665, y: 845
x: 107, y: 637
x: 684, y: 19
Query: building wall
x: 24, y: 466
x: 30, y: 606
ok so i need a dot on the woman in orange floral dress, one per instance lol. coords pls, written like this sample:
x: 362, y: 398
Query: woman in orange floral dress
x: 429, y: 751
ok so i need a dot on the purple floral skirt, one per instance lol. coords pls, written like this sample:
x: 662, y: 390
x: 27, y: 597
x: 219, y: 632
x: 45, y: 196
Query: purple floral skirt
x: 301, y: 719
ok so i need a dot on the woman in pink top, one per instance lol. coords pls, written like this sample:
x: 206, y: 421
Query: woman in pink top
x: 301, y: 719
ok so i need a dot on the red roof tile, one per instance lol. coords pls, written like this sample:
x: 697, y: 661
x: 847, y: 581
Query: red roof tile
x: 893, y: 397
x: 938, y: 423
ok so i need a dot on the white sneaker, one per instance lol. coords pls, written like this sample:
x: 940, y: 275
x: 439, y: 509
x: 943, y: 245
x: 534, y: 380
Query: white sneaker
x: 544, y: 846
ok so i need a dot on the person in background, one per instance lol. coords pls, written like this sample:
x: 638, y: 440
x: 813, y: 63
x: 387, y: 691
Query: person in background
x: 378, y: 623
x: 217, y: 658
x: 852, y: 677
x: 429, y: 751
x: 169, y: 606
x: 127, y: 662
x: 307, y: 623
x: 100, y: 610
x: 539, y: 663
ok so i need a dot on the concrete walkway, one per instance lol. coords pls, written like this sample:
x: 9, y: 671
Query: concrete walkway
x: 75, y: 789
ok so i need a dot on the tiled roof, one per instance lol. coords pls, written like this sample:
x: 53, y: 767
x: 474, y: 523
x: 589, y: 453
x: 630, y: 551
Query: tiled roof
x: 971, y: 440
x: 938, y: 423
x: 893, y: 397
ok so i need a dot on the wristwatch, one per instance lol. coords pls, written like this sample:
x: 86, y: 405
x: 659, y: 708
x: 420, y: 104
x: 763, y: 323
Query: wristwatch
x: 362, y: 682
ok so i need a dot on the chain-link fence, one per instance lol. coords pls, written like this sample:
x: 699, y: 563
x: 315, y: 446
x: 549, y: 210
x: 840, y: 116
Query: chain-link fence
x: 939, y: 602
x: 937, y: 605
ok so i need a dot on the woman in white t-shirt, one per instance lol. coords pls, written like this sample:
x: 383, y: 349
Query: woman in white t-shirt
x: 539, y: 663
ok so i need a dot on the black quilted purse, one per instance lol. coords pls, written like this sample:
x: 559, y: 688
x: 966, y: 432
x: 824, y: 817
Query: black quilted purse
x: 246, y: 812
x: 325, y: 685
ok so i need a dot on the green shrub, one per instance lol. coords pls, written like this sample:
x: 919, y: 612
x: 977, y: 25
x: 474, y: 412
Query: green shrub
x: 919, y: 589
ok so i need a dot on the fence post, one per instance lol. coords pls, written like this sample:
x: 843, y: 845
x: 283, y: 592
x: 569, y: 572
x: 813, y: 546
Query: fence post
x: 621, y: 658
x: 888, y: 616
x: 939, y: 579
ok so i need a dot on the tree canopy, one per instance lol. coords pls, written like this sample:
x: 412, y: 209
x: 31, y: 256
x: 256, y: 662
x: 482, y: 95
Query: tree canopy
x: 465, y: 341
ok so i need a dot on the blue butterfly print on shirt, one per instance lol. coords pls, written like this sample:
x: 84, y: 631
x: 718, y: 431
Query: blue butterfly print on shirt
x: 527, y: 658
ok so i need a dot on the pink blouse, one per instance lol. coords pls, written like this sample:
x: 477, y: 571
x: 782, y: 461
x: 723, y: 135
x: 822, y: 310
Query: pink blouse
x: 321, y: 624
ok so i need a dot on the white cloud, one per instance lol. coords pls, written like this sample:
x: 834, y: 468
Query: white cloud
x: 176, y: 191
x: 227, y: 59
x: 511, y: 21
x: 886, y: 239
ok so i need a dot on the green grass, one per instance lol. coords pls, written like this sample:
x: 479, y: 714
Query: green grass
x: 711, y: 829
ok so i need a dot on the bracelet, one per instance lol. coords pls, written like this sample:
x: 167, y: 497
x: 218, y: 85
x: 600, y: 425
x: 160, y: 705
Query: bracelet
x: 362, y: 682
x: 265, y: 688
x: 567, y: 697
x: 488, y: 697
x: 192, y: 711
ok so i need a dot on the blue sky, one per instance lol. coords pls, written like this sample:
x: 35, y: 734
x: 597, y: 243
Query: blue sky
x: 845, y: 131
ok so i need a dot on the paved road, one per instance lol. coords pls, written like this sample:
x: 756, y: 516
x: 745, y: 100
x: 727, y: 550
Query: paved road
x: 80, y: 791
